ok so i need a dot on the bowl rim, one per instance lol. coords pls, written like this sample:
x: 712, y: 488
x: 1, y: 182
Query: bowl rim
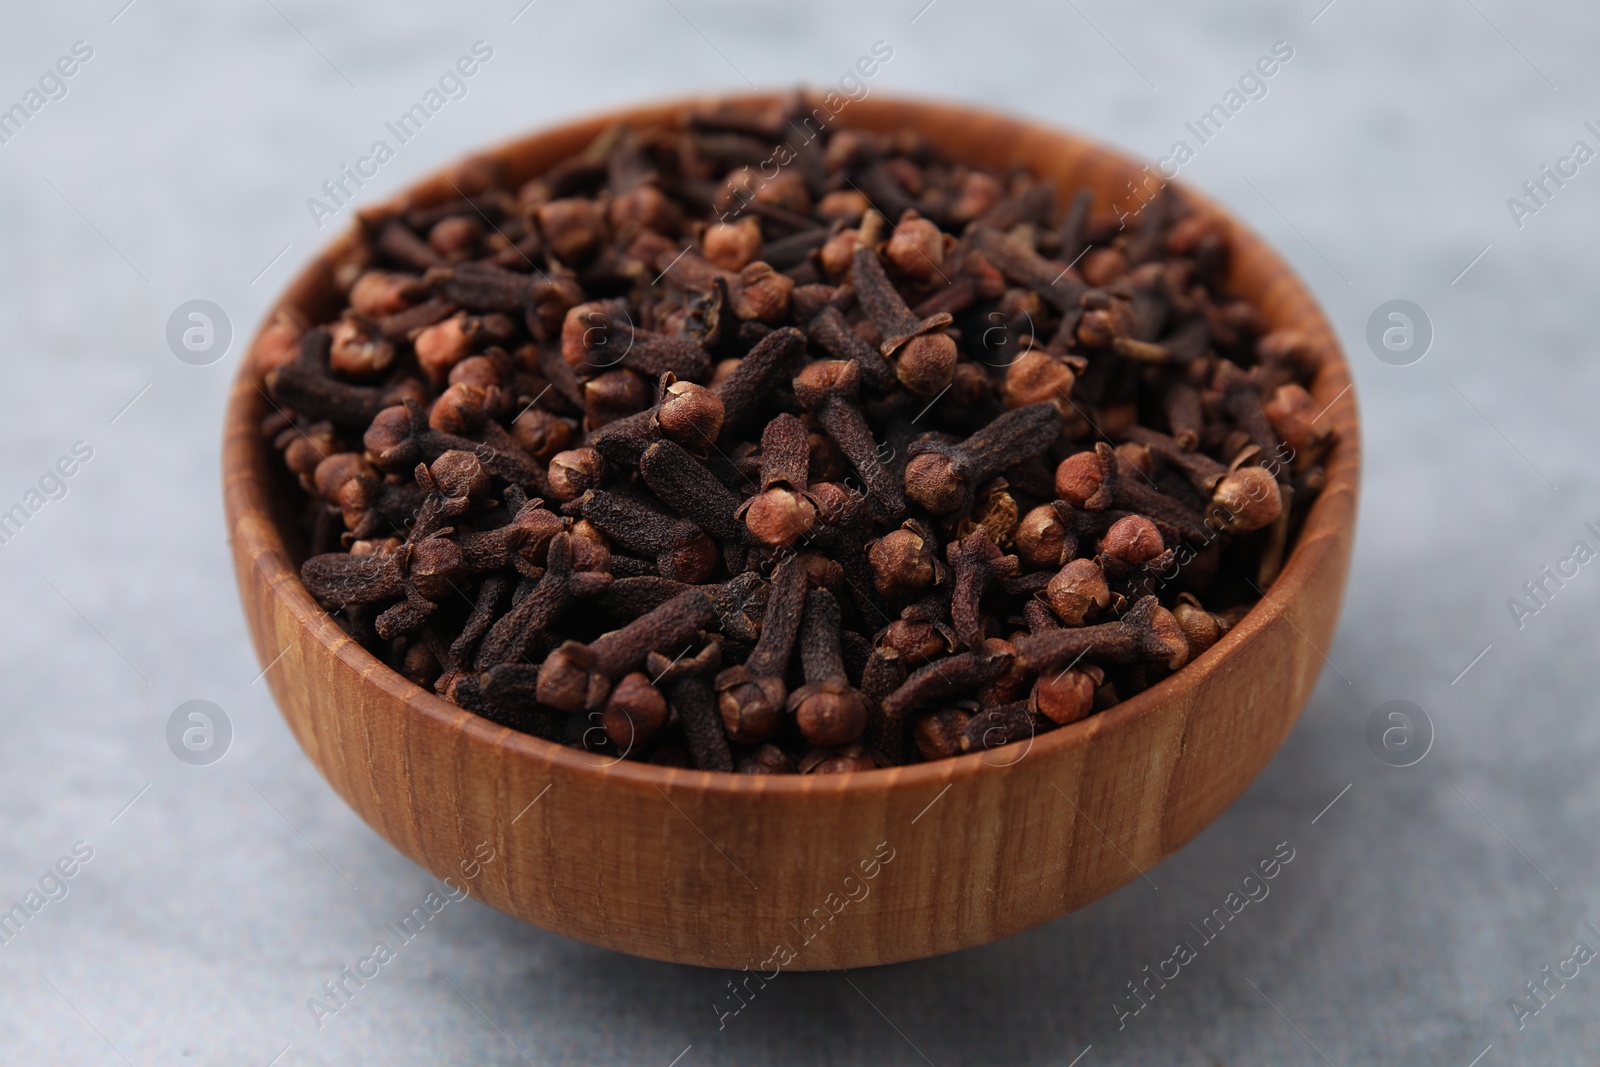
x: 247, y: 494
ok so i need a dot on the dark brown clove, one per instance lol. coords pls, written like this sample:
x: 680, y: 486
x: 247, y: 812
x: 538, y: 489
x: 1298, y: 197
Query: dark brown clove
x: 577, y: 676
x: 690, y: 489
x: 511, y: 638
x: 951, y: 676
x: 681, y: 550
x: 1054, y: 282
x: 505, y: 695
x: 943, y: 478
x: 783, y: 512
x: 830, y: 331
x: 306, y: 387
x: 924, y: 354
x: 828, y: 710
x: 692, y: 697
x: 978, y: 563
x: 1004, y: 725
x: 399, y: 438
x: 1094, y: 481
x: 828, y: 390
x: 634, y: 712
x: 751, y: 695
x: 765, y: 366
x: 1146, y: 634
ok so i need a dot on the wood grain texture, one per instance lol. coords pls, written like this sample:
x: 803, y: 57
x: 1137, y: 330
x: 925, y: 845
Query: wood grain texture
x: 720, y: 870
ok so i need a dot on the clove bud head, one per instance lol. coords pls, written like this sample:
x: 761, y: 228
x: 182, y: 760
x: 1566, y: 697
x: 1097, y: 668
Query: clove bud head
x: 356, y: 497
x: 692, y: 562
x: 1246, y: 499
x: 309, y: 447
x: 825, y: 378
x: 645, y: 208
x: 1037, y: 377
x: 1078, y: 478
x: 995, y: 511
x: 926, y: 364
x: 386, y: 438
x: 587, y: 329
x: 914, y: 642
x: 1133, y: 539
x: 732, y: 245
x: 572, y: 228
x: 1293, y: 414
x: 1077, y: 591
x: 780, y: 516
x: 1067, y: 696
x: 839, y: 253
x: 902, y: 563
x: 768, y: 759
x: 575, y: 472
x: 634, y: 711
x: 933, y: 483
x: 441, y: 346
x: 762, y: 294
x: 378, y: 293
x: 455, y: 237
x: 357, y: 352
x: 332, y: 474
x: 978, y: 194
x: 437, y: 567
x: 751, y: 707
x: 916, y: 248
x: 613, y: 395
x: 938, y: 736
x: 1042, y: 537
x: 847, y: 205
x: 838, y: 760
x: 1169, y: 637
x: 539, y: 528
x: 540, y: 433
x: 691, y: 415
x: 829, y: 713
x: 564, y: 678
x: 460, y: 409
x: 460, y: 474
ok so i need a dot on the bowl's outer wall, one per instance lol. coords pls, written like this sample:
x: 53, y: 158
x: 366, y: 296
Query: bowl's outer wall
x: 729, y: 871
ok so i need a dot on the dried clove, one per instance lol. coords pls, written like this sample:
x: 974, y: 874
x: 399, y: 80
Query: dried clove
x: 783, y: 512
x: 577, y: 676
x: 829, y: 390
x: 923, y: 352
x: 751, y: 695
x: 943, y: 478
x: 828, y: 710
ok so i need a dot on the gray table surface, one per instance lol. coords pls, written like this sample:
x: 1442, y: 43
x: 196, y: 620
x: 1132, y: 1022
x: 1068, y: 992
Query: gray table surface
x: 1381, y: 159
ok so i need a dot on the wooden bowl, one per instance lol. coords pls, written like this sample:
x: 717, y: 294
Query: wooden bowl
x: 795, y: 872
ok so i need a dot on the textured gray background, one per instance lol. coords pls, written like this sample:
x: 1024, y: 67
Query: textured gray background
x: 220, y: 900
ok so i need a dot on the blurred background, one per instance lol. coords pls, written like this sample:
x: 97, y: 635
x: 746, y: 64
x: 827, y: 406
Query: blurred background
x: 174, y: 164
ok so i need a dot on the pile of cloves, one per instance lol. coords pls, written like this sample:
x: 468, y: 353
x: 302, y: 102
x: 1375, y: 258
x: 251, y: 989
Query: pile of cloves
x: 748, y: 446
